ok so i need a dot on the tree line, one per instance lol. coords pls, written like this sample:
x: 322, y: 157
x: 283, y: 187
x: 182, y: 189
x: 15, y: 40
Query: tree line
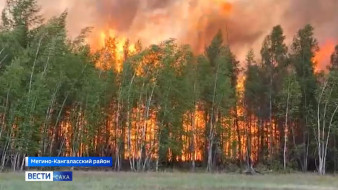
x: 165, y: 106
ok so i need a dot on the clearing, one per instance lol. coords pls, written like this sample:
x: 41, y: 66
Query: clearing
x: 174, y: 181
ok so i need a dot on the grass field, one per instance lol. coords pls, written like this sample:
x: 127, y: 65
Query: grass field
x: 175, y: 181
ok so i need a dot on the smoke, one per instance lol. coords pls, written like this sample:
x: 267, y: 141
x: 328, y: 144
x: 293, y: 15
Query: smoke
x: 322, y: 14
x: 244, y: 23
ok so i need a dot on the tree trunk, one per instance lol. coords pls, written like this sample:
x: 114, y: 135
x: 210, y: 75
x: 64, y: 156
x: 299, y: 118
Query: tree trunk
x: 209, y: 164
x: 33, y: 67
x: 193, y: 122
x: 238, y: 139
x: 286, y: 129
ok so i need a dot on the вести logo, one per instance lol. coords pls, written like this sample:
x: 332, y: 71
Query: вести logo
x: 48, y: 176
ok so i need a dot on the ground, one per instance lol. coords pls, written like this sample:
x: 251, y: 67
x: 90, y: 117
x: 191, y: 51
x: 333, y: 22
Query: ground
x: 174, y: 181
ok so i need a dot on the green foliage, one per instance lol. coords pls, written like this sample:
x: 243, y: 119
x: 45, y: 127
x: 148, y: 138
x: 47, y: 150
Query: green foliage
x: 290, y: 96
x: 334, y: 59
x: 303, y: 50
x: 253, y: 87
x: 214, y: 50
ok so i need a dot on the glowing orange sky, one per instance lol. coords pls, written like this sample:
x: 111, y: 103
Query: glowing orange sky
x: 322, y: 58
x: 195, y: 22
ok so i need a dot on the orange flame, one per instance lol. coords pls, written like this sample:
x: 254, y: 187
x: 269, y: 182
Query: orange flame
x: 226, y: 8
x: 322, y: 57
x: 108, y: 42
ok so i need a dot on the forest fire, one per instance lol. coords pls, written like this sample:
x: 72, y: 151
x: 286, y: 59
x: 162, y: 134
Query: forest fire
x: 187, y: 95
x: 241, y: 138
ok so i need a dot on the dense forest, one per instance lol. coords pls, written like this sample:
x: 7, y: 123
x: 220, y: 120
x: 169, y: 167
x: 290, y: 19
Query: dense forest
x: 164, y: 106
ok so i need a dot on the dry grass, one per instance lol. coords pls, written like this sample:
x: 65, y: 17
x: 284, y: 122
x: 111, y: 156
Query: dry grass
x: 174, y: 181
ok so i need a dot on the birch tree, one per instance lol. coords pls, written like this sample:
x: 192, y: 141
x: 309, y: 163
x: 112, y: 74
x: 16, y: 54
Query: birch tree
x: 327, y: 107
x: 289, y: 102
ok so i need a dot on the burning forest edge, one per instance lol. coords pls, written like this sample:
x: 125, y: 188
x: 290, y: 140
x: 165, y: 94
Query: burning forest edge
x: 166, y: 105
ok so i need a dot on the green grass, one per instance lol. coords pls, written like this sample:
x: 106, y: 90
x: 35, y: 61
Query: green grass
x: 173, y: 181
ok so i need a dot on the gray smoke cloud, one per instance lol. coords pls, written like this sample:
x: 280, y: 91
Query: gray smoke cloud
x: 244, y: 23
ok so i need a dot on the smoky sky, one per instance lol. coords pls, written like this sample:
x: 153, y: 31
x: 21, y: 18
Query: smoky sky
x: 323, y: 15
x: 244, y: 24
x: 118, y: 14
